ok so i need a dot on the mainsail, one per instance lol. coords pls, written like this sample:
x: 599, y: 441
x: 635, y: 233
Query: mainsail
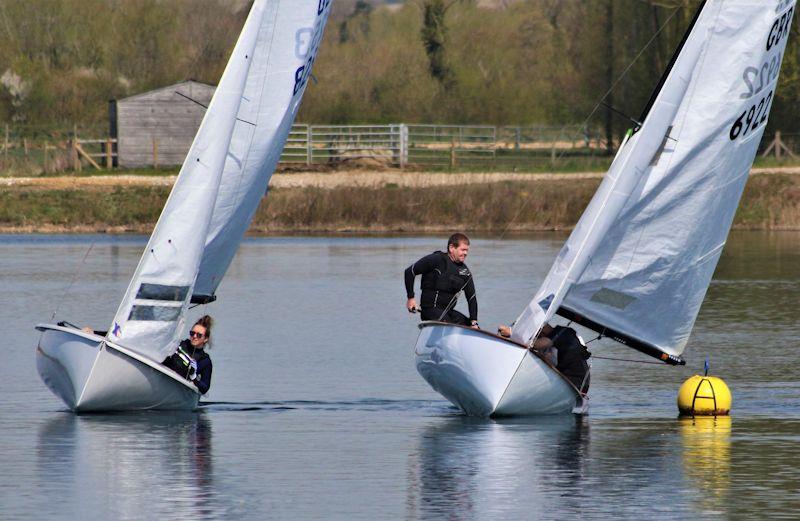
x: 639, y: 262
x: 288, y: 45
x: 225, y: 173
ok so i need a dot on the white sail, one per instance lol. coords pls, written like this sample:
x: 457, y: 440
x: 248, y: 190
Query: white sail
x: 642, y: 256
x: 151, y: 314
x: 288, y: 43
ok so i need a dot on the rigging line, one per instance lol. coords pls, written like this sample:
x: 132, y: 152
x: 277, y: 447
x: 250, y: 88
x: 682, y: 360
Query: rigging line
x: 627, y: 360
x: 74, y: 278
x: 622, y: 75
x: 526, y: 201
x: 612, y: 109
x: 594, y: 111
x: 455, y: 297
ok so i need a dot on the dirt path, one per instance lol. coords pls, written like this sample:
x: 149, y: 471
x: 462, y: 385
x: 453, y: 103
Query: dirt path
x: 331, y: 180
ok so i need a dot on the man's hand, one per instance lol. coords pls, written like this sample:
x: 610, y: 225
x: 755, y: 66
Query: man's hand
x: 474, y: 324
x: 411, y: 305
x: 504, y: 331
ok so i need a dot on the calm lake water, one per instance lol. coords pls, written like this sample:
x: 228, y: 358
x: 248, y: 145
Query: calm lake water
x: 316, y: 410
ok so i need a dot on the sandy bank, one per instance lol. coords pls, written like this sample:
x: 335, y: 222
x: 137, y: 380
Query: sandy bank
x: 356, y: 178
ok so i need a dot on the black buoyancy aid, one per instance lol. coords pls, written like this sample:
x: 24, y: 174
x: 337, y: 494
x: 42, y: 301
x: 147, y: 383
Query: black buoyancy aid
x: 572, y: 356
x: 440, y: 286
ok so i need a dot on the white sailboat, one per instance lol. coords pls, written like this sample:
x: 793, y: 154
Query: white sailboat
x: 638, y: 263
x: 215, y: 196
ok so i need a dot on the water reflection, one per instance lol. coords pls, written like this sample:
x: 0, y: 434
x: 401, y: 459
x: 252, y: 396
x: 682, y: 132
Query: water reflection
x: 470, y: 468
x: 707, y: 459
x: 128, y: 464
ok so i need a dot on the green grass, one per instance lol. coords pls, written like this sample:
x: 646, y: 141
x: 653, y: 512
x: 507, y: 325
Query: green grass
x: 769, y: 202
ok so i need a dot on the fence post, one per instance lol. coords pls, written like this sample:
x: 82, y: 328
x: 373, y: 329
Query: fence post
x: 109, y: 159
x: 155, y: 153
x: 76, y: 160
x: 453, y: 152
x: 494, y: 146
x: 403, y: 145
x: 309, y: 148
x: 778, y: 146
x: 45, y: 157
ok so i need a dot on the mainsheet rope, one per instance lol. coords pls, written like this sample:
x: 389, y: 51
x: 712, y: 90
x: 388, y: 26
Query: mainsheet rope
x: 617, y: 359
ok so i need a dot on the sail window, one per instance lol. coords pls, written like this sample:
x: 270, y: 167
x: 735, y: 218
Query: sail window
x: 155, y: 313
x: 149, y: 291
x: 612, y: 298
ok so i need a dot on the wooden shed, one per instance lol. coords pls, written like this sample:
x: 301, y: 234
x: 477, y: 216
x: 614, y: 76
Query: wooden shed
x: 156, y: 128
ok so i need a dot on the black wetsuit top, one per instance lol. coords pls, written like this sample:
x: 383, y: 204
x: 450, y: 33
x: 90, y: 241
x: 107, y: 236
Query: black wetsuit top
x: 572, y: 356
x: 442, y: 279
x: 204, y: 366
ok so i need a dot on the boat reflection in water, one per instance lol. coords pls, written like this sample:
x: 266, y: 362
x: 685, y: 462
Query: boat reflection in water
x: 707, y: 459
x: 469, y: 468
x: 124, y: 465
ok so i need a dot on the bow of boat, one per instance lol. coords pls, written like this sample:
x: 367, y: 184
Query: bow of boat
x: 89, y: 374
x: 487, y: 375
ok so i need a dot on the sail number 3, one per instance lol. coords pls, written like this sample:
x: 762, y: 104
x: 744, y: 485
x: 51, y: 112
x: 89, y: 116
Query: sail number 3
x: 751, y: 118
x: 311, y: 45
x: 780, y: 29
x: 757, y: 113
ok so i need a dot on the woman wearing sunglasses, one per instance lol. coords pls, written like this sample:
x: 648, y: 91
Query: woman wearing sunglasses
x: 191, y: 360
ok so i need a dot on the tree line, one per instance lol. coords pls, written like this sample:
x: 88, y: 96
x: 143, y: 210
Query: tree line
x: 503, y: 62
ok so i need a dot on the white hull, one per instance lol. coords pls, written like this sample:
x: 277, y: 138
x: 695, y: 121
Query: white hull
x: 486, y: 375
x: 90, y: 374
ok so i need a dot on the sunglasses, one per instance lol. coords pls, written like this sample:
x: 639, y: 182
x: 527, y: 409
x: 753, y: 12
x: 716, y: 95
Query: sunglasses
x: 195, y: 334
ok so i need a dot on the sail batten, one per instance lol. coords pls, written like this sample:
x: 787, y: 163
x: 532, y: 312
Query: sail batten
x: 639, y: 262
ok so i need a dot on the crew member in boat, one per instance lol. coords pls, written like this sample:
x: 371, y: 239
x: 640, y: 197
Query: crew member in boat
x: 190, y: 360
x: 444, y: 277
x: 563, y: 348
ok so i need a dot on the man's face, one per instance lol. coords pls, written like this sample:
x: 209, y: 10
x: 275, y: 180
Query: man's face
x: 458, y: 253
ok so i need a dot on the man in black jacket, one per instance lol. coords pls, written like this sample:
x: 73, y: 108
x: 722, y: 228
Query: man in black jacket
x: 444, y: 276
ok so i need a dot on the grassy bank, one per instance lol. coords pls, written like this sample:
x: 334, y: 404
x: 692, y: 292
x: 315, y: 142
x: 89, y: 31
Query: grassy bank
x: 770, y: 202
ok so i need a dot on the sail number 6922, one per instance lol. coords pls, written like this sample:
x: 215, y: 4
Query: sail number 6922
x: 751, y: 118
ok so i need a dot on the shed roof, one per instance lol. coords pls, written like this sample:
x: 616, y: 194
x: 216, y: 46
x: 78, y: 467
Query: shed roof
x: 193, y: 89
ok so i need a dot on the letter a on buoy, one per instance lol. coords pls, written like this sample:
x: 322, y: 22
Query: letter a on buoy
x: 704, y: 396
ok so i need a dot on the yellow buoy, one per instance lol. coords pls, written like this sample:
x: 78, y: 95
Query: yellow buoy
x: 704, y: 396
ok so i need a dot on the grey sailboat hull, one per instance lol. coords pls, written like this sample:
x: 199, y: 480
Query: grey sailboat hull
x: 485, y: 375
x: 90, y: 374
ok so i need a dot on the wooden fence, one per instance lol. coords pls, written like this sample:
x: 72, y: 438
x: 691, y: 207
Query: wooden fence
x: 394, y: 145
